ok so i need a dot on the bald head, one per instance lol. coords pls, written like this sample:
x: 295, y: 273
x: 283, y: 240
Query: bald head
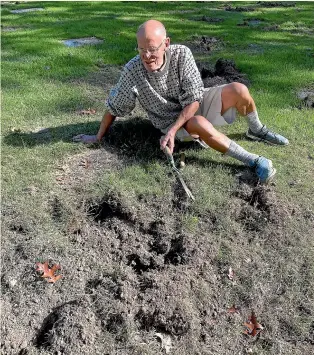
x: 151, y: 29
x: 152, y: 42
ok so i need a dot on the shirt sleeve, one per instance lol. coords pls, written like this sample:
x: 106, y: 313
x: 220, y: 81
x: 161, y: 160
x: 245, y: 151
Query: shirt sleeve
x: 192, y: 87
x: 122, y: 97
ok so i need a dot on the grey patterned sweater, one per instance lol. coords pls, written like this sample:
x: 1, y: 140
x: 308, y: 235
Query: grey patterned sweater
x: 162, y: 94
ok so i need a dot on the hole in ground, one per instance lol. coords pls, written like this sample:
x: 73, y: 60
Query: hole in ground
x: 139, y: 265
x: 177, y: 253
x: 107, y: 209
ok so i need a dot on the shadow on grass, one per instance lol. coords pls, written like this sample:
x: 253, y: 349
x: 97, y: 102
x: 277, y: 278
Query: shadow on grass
x: 134, y: 138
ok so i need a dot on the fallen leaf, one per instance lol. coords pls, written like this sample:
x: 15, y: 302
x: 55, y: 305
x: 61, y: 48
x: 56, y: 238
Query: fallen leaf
x: 84, y: 163
x: 89, y: 111
x: 253, y: 327
x: 165, y: 341
x: 60, y: 180
x: 47, y: 272
x: 233, y: 309
x: 61, y: 167
x: 230, y: 273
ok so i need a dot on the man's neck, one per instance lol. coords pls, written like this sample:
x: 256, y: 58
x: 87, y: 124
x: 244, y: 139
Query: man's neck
x: 163, y: 64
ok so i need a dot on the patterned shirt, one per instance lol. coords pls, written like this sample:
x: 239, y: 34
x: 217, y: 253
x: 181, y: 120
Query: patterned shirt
x: 162, y: 94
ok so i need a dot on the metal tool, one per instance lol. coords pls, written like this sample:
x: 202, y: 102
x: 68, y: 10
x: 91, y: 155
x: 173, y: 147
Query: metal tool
x: 178, y: 173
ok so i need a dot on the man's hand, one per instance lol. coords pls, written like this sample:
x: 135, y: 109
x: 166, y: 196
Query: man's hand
x: 168, y: 140
x: 86, y: 139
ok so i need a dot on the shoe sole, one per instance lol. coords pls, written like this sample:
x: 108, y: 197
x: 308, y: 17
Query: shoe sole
x: 254, y: 138
x: 270, y: 177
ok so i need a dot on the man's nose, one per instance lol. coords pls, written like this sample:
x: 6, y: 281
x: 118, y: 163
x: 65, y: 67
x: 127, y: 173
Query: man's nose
x: 147, y: 54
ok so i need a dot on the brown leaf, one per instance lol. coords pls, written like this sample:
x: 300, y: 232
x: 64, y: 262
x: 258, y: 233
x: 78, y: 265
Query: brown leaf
x: 89, y: 111
x: 233, y: 309
x: 47, y: 272
x: 253, y: 328
x: 230, y: 273
x: 60, y: 180
x: 84, y: 163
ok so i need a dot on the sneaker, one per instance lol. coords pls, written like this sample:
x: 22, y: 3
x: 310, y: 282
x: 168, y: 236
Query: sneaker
x: 265, y: 135
x: 264, y: 169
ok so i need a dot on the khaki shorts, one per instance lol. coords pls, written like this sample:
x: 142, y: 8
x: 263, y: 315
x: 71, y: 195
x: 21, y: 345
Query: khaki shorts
x: 210, y: 108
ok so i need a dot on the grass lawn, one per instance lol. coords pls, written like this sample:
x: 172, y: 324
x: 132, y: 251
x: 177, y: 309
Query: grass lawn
x: 142, y: 266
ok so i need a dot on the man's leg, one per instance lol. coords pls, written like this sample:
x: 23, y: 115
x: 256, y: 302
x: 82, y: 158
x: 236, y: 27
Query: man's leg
x: 237, y: 95
x: 205, y: 130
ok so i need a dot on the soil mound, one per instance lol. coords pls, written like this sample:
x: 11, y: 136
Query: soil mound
x: 225, y: 71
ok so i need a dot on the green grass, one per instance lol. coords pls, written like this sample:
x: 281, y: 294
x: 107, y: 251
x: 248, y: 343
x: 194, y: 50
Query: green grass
x: 45, y: 83
x: 37, y: 69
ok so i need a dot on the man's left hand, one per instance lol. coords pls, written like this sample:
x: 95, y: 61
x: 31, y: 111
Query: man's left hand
x: 168, y: 140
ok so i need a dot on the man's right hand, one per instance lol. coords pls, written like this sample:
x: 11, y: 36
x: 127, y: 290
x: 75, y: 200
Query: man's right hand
x: 86, y: 139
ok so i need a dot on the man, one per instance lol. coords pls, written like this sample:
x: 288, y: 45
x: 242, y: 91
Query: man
x: 166, y: 81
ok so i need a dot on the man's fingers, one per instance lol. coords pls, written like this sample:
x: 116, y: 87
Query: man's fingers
x: 163, y: 142
x: 171, y: 145
x: 86, y: 139
x: 78, y: 138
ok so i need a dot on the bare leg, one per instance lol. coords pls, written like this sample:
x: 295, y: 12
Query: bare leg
x: 237, y: 95
x: 205, y: 130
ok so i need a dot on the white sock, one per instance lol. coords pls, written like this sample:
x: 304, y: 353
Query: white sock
x: 237, y: 152
x: 255, y: 124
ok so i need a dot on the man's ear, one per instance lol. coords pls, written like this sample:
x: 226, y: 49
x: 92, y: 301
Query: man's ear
x: 167, y: 42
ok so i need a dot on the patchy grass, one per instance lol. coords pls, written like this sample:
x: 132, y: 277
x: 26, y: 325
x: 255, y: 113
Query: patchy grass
x: 137, y: 256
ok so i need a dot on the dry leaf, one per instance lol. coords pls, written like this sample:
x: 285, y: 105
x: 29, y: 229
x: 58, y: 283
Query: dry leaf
x: 84, y: 163
x: 230, y: 273
x: 60, y: 180
x: 89, y: 111
x: 233, y: 309
x: 61, y: 167
x: 253, y: 328
x: 165, y: 341
x: 47, y: 272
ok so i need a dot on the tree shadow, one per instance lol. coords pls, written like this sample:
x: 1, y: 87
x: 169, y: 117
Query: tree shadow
x: 134, y: 138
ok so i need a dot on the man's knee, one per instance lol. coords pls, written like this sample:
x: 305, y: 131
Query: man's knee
x: 198, y: 122
x: 237, y: 89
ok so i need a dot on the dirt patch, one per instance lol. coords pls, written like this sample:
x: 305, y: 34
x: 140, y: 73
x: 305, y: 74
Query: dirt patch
x: 205, y: 44
x: 130, y: 270
x: 260, y: 209
x: 307, y: 97
x: 9, y: 29
x: 225, y: 71
x: 251, y: 22
x: 276, y: 4
x: 239, y: 8
x: 210, y: 19
x: 271, y: 28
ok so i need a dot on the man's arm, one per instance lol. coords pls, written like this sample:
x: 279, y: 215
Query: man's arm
x: 185, y: 115
x: 104, y: 126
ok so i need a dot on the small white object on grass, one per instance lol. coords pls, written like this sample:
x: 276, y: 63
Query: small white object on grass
x: 165, y: 341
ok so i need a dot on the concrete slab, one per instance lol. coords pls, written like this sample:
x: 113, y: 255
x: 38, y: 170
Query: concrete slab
x: 77, y: 42
x: 21, y: 11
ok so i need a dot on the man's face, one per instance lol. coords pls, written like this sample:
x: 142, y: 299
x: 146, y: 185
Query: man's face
x: 152, y: 51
